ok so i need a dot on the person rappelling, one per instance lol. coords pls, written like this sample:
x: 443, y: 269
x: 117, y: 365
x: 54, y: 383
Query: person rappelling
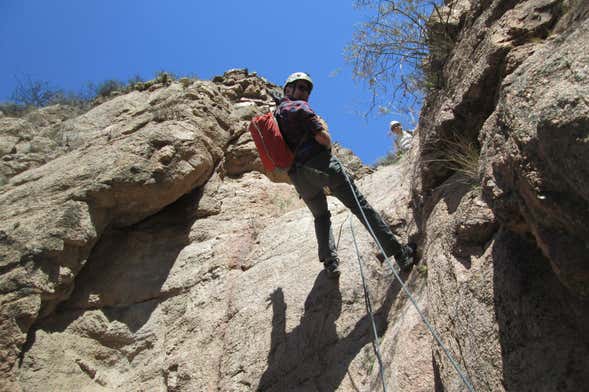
x: 315, y: 167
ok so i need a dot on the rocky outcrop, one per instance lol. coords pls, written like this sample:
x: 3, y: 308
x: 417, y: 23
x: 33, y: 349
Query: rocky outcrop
x: 31, y: 141
x: 506, y: 248
x: 115, y: 175
x: 229, y: 296
x: 547, y: 146
x: 143, y: 247
x: 149, y: 237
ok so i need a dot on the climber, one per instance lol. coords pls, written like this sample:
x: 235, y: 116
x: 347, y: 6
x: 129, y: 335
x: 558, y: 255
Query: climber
x: 403, y: 138
x: 315, y: 167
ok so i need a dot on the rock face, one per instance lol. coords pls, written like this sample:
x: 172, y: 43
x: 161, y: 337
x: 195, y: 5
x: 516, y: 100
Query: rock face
x: 506, y: 248
x: 116, y: 175
x: 143, y: 248
x: 31, y: 141
x: 150, y: 253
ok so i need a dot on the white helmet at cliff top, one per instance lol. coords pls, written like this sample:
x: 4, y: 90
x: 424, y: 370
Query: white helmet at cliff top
x: 393, y: 124
x: 298, y: 76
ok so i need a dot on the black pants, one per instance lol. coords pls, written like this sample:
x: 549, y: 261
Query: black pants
x: 325, y: 170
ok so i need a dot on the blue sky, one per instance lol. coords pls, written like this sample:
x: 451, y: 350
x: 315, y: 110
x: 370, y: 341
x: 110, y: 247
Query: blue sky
x: 71, y: 42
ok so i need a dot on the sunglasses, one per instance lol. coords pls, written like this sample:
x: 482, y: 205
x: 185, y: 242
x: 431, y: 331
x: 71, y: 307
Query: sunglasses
x: 304, y: 87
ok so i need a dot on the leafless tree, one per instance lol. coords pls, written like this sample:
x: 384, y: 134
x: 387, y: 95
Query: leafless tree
x: 29, y: 92
x: 391, y: 51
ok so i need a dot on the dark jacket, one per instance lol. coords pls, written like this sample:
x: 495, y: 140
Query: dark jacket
x: 299, y: 124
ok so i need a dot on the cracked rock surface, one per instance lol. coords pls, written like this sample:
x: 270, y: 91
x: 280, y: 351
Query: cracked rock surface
x: 142, y: 247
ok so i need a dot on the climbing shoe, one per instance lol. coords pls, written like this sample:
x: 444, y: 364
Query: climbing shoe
x: 332, y: 267
x: 406, y: 258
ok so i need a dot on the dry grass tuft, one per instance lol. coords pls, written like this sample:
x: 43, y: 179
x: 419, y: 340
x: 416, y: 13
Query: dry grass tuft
x: 460, y: 155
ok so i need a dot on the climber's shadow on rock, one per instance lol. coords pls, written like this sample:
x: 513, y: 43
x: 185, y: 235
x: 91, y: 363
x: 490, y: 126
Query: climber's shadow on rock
x: 312, y: 356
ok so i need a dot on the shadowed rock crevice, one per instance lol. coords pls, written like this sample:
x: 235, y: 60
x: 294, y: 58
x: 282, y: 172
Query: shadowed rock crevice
x: 144, y: 255
x: 438, y: 384
x: 113, y: 175
x: 458, y: 112
x: 526, y: 168
x: 125, y: 286
x: 544, y: 322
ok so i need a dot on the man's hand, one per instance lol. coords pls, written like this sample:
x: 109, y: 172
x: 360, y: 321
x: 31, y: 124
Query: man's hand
x: 323, y: 138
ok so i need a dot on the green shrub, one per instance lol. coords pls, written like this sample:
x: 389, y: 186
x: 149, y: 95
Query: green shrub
x: 31, y: 93
x: 186, y: 82
x: 37, y: 93
x: 463, y: 157
x: 164, y: 77
x: 135, y: 79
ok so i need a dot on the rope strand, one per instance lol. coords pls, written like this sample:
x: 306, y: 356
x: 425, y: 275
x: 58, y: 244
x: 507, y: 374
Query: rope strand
x: 406, y: 290
x: 368, y: 302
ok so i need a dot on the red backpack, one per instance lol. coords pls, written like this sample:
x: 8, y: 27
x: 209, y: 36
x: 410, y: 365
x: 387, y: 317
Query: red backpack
x: 270, y: 143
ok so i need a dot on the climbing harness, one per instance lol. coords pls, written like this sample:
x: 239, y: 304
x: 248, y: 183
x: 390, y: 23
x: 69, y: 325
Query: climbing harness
x: 405, y: 289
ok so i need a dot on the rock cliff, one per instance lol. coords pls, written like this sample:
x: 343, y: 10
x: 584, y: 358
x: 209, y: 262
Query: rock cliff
x: 143, y: 248
x: 506, y: 245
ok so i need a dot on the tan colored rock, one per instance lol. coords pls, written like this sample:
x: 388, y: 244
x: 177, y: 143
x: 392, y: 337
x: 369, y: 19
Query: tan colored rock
x: 219, y: 300
x: 504, y: 259
x: 152, y: 253
x: 121, y: 172
x: 155, y: 236
x: 538, y: 161
x: 351, y: 161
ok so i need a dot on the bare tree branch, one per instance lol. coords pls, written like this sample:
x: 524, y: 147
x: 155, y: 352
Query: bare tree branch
x: 391, y: 50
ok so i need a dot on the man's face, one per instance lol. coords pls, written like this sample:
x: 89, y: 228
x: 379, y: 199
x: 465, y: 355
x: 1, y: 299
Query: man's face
x: 300, y: 90
x: 396, y: 129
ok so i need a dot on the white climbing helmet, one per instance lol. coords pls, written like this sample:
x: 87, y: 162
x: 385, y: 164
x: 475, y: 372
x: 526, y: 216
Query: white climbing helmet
x: 394, y: 123
x: 298, y: 76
